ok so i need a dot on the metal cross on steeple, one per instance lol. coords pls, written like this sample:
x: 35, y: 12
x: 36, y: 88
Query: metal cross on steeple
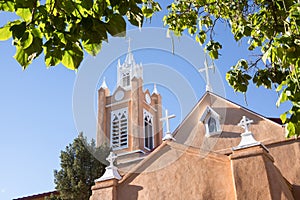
x: 166, y: 119
x: 111, y: 159
x: 206, y: 69
x: 129, y: 44
x: 245, y: 123
x: 168, y: 135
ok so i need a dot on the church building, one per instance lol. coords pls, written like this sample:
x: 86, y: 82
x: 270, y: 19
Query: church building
x: 221, y: 150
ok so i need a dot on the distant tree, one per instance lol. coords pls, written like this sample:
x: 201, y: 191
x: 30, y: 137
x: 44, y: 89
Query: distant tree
x: 79, y: 169
x: 272, y: 28
x: 53, y: 197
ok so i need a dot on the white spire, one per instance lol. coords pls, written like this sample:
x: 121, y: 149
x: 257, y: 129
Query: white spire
x: 128, y: 70
x: 104, y: 86
x: 155, y: 89
x: 206, y: 69
x: 168, y: 135
x: 129, y: 57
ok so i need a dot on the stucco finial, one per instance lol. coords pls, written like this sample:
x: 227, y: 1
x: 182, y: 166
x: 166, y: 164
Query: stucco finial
x: 111, y: 171
x: 248, y: 139
x: 111, y: 159
x: 245, y: 123
x: 168, y: 135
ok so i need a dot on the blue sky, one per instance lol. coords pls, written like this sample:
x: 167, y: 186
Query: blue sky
x: 36, y: 113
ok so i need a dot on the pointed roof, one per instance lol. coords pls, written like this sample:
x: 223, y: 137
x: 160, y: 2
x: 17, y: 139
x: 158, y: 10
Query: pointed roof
x: 103, y: 85
x: 191, y: 131
x: 129, y: 60
x: 155, y: 89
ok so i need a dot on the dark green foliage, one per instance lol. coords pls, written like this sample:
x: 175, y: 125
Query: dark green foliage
x: 79, y: 169
x: 63, y: 29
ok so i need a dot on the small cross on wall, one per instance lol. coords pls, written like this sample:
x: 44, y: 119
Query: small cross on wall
x: 245, y: 123
x: 111, y: 159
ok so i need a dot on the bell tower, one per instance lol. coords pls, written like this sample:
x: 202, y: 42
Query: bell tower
x: 129, y: 118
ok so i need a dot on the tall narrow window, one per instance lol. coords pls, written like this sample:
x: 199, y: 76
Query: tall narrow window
x: 119, y: 129
x: 126, y: 79
x: 148, y: 130
x: 212, y: 125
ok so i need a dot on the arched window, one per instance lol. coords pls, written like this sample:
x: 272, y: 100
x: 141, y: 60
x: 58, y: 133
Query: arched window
x: 125, y: 79
x: 119, y: 129
x: 212, y: 125
x: 211, y: 121
x: 148, y: 130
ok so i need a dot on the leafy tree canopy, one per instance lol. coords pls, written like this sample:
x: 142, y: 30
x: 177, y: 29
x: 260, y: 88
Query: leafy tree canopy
x: 271, y: 28
x: 63, y: 29
x: 79, y: 169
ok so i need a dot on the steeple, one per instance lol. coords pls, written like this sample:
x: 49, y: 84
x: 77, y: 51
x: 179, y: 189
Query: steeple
x: 206, y: 69
x: 155, y: 90
x: 104, y: 86
x: 129, y: 118
x: 128, y: 70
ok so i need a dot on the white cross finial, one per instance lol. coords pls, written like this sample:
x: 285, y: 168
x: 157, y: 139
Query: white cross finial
x: 111, y: 159
x: 245, y: 123
x: 166, y: 119
x: 206, y: 69
x: 129, y: 44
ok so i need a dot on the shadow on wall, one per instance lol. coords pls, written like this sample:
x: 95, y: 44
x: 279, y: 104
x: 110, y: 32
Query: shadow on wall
x: 296, y: 191
x: 132, y: 192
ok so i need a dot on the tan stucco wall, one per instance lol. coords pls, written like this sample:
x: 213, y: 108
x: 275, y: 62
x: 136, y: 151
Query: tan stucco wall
x: 287, y: 158
x: 256, y: 177
x: 175, y: 173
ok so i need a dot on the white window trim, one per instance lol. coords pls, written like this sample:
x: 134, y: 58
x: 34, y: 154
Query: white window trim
x: 209, y: 134
x: 116, y: 112
x: 151, y: 116
x: 208, y: 113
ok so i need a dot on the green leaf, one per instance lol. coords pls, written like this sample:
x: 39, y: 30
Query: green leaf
x: 283, y: 117
x: 21, y: 57
x: 68, y: 6
x: 92, y: 49
x: 26, y: 40
x: 214, y: 54
x: 116, y: 26
x: 5, y: 33
x: 53, y: 58
x: 282, y: 98
x: 87, y: 4
x: 72, y: 56
x: 135, y: 16
x: 24, y: 13
x: 290, y: 129
x: 7, y: 5
x: 18, y: 30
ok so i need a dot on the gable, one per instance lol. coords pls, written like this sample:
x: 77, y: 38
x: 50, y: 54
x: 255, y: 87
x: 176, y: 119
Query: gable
x: 192, y: 131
